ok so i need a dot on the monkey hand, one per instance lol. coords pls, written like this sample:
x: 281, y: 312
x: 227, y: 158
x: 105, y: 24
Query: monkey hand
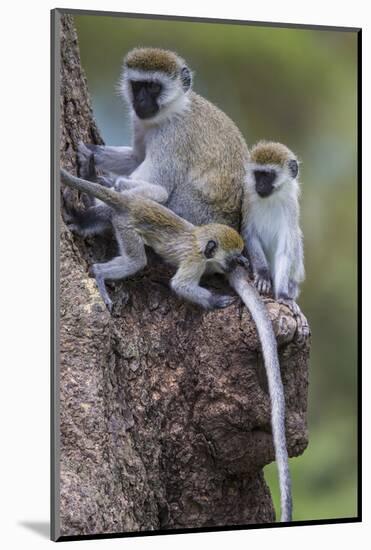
x: 122, y: 184
x: 220, y: 302
x: 84, y: 154
x: 107, y: 181
x: 263, y: 281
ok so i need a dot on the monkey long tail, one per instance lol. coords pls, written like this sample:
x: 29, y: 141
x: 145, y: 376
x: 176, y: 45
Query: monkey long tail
x: 263, y: 323
x: 109, y: 196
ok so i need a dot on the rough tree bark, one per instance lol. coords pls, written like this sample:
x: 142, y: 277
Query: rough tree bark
x: 165, y: 416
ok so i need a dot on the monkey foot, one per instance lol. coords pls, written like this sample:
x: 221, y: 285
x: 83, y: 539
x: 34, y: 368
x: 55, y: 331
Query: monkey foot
x: 84, y: 153
x: 220, y: 302
x: 106, y: 299
x: 291, y: 304
x: 303, y: 330
x: 121, y: 300
x: 302, y: 327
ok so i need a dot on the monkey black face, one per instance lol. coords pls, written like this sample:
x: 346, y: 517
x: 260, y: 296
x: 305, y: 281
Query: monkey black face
x: 145, y: 97
x: 264, y: 180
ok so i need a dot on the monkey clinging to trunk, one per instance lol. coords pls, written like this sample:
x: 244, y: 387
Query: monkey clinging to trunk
x: 215, y: 248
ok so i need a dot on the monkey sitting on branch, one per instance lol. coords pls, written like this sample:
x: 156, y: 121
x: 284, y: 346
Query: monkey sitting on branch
x: 211, y: 248
x: 272, y: 233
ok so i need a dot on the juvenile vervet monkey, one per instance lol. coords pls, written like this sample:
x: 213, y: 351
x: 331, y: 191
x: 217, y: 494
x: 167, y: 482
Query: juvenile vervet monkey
x: 193, y: 250
x: 271, y: 230
x: 190, y: 148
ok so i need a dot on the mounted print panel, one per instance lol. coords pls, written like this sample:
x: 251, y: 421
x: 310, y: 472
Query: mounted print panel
x: 204, y: 206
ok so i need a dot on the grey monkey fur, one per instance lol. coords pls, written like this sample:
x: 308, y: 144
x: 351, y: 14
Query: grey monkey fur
x: 193, y: 250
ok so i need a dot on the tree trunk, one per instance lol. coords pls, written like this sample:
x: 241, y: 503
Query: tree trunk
x: 165, y: 415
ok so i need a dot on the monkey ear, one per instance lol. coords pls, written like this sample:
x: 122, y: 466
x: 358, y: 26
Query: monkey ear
x: 210, y: 249
x: 293, y: 168
x: 186, y: 78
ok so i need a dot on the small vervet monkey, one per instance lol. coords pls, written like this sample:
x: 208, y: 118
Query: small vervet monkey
x: 185, y: 145
x: 193, y: 250
x: 271, y: 229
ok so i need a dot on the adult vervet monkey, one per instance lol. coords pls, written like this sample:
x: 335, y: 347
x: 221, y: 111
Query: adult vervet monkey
x: 189, y: 147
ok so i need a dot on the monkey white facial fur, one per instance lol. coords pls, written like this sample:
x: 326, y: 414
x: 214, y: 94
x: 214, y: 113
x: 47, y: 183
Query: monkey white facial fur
x: 271, y: 230
x: 155, y: 84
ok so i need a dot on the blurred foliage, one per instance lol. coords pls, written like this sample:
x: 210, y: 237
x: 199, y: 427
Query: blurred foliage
x: 297, y: 86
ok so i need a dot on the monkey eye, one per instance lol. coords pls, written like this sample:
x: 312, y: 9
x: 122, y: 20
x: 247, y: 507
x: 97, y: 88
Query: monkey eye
x: 154, y: 87
x: 210, y: 249
x: 136, y: 85
x: 293, y: 168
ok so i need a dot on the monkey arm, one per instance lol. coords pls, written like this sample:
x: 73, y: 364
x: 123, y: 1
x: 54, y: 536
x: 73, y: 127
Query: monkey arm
x: 119, y: 160
x: 142, y: 188
x: 139, y: 187
x: 290, y: 268
x: 258, y: 260
x: 185, y: 284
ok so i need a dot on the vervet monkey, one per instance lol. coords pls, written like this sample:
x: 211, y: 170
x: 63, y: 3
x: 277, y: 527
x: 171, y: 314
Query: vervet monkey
x: 181, y: 141
x: 271, y: 229
x: 193, y: 250
x: 190, y: 148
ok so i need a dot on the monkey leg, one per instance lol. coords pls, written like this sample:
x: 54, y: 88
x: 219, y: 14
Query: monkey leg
x: 143, y: 189
x: 281, y: 277
x: 119, y: 160
x: 131, y: 260
x: 285, y: 289
x: 120, y: 267
x: 200, y: 296
x: 185, y: 284
x: 288, y: 298
x: 258, y: 261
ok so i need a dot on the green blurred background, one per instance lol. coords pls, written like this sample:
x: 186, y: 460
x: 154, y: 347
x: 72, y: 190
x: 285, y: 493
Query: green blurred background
x: 297, y: 86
